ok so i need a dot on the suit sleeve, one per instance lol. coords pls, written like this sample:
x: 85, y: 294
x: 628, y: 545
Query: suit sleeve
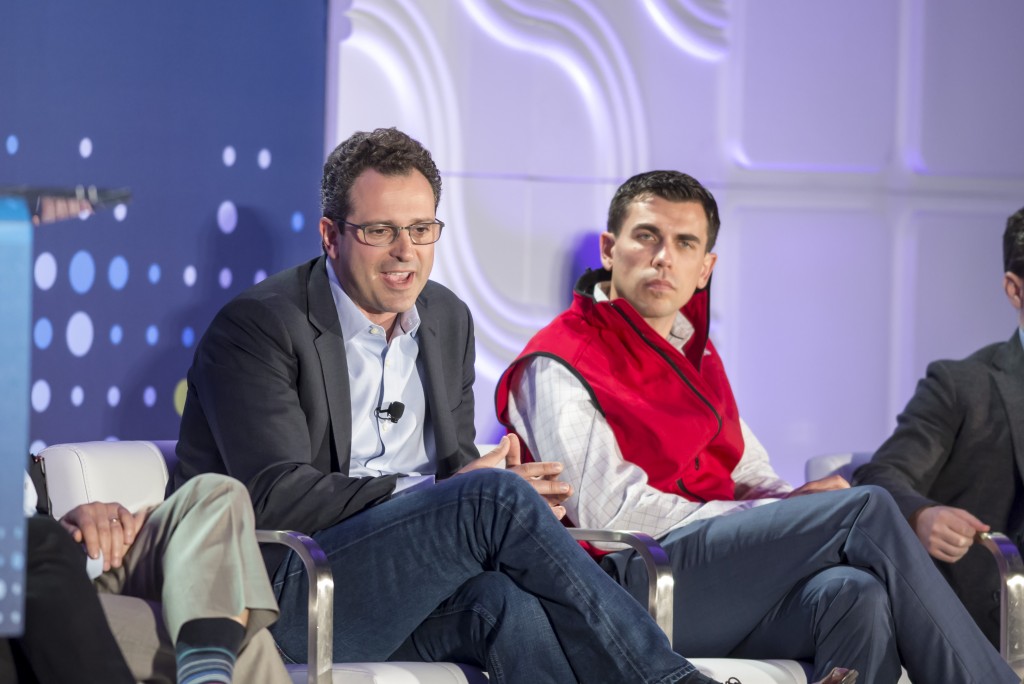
x: 908, y: 463
x: 245, y: 382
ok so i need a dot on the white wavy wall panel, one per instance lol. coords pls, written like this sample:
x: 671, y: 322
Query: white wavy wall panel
x: 864, y: 155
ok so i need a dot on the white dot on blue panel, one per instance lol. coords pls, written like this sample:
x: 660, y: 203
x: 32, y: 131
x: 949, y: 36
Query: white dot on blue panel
x: 149, y: 396
x: 45, y: 271
x: 225, y: 278
x: 12, y: 144
x: 36, y: 446
x: 77, y: 395
x: 154, y: 273
x: 117, y: 272
x: 40, y: 396
x: 188, y: 337
x: 42, y: 333
x: 17, y: 562
x: 120, y: 212
x: 79, y: 333
x: 111, y: 438
x: 81, y: 272
x: 188, y: 276
x: 152, y: 335
x: 263, y: 158
x: 3, y: 585
x: 260, y: 276
x: 116, y: 334
x: 298, y: 221
x: 227, y: 217
x: 113, y: 397
x: 228, y: 156
x: 85, y: 148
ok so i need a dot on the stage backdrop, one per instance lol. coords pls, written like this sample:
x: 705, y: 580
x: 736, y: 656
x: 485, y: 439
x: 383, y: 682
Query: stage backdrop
x: 865, y: 156
x: 212, y: 113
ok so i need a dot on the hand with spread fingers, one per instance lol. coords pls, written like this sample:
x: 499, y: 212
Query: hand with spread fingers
x: 542, y: 475
x: 107, y: 528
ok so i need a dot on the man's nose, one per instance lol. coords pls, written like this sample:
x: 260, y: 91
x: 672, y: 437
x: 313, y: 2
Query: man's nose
x: 662, y: 257
x: 402, y: 247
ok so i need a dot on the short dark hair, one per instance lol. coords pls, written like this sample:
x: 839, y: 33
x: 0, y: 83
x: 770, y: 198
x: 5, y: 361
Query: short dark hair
x: 387, y: 151
x: 673, y: 186
x: 1013, y: 244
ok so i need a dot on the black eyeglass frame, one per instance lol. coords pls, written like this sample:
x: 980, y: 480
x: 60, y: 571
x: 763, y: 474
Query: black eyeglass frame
x: 395, y: 231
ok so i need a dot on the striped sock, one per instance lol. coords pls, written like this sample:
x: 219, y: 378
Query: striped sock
x: 206, y: 650
x: 205, y: 665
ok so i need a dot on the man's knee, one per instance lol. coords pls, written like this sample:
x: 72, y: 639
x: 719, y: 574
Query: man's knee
x: 852, y: 597
x: 212, y: 494
x: 493, y: 484
x: 499, y: 601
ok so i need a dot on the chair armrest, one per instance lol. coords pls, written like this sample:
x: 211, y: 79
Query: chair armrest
x: 319, y: 662
x: 660, y: 581
x: 1011, y: 592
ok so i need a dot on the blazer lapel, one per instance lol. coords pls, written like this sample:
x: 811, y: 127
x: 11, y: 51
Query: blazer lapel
x: 330, y: 345
x: 435, y: 387
x: 1009, y: 376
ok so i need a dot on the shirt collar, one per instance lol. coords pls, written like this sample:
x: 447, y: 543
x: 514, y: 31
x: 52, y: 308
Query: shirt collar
x: 682, y: 329
x: 354, y: 322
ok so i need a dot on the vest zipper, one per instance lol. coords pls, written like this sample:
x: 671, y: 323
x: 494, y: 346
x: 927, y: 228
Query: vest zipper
x: 690, y: 495
x: 689, y: 384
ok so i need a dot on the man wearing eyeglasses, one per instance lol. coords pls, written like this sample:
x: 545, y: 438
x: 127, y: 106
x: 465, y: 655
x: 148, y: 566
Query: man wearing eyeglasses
x: 340, y: 392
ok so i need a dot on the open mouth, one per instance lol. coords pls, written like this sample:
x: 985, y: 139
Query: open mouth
x: 397, y: 278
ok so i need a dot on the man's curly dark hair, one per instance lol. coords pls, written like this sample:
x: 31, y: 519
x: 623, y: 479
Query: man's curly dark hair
x: 387, y: 151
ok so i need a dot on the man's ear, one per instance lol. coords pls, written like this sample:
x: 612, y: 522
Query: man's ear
x: 329, y: 237
x: 1013, y: 284
x: 706, y: 268
x: 607, y: 242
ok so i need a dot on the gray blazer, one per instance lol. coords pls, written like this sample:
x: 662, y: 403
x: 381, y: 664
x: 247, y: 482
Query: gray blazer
x: 960, y: 442
x: 268, y: 399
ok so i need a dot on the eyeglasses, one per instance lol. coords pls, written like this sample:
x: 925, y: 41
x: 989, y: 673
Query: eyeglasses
x: 383, y: 234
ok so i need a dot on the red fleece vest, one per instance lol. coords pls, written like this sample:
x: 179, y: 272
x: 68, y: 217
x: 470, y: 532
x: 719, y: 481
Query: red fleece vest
x: 672, y: 415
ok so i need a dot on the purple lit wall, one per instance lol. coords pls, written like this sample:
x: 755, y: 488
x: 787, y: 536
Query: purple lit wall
x: 865, y: 157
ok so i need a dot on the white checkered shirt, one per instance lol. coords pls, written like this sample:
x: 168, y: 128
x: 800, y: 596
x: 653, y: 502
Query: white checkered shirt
x: 552, y: 411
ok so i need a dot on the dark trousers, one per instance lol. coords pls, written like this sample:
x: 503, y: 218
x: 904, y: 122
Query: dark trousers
x: 837, y: 578
x: 66, y: 637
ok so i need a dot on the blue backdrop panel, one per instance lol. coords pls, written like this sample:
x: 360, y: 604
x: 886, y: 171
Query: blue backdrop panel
x: 15, y: 314
x: 212, y: 114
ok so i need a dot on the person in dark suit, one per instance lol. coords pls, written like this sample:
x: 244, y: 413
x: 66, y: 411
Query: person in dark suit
x: 340, y: 392
x: 955, y: 461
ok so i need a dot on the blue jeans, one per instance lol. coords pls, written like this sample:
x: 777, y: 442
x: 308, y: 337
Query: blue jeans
x: 477, y: 570
x: 838, y: 578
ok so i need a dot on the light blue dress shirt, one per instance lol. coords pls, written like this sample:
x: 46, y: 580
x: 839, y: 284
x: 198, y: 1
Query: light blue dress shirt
x: 381, y: 372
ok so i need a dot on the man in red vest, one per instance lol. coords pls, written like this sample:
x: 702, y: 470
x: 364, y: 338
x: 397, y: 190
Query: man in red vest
x: 627, y: 391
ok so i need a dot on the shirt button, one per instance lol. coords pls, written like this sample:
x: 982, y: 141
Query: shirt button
x: 387, y: 364
x: 385, y: 427
x: 373, y: 331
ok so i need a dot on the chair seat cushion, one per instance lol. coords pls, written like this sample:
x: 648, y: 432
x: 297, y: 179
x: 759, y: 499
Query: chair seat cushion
x: 397, y: 673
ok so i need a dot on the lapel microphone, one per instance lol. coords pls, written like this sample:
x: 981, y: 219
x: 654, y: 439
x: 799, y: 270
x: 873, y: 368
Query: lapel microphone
x: 393, y: 412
